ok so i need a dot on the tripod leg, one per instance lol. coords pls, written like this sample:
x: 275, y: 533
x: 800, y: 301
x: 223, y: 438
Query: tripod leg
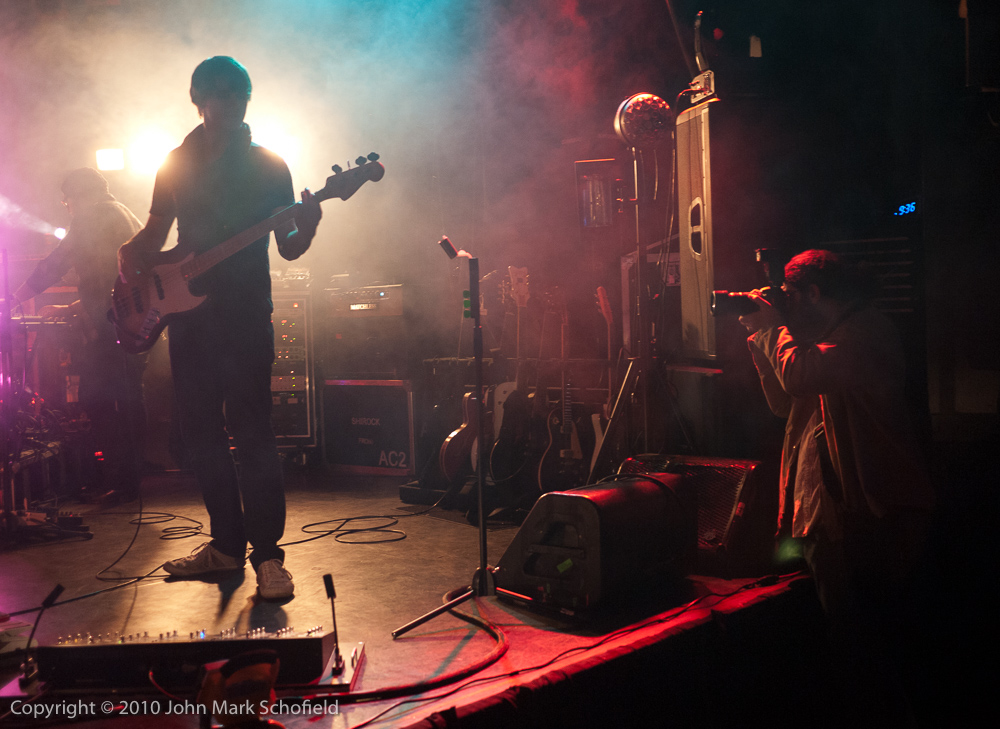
x: 434, y: 613
x: 616, y: 432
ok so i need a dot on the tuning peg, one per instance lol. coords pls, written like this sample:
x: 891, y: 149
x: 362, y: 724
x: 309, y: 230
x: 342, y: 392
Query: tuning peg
x: 360, y: 161
x: 337, y: 168
x: 373, y: 157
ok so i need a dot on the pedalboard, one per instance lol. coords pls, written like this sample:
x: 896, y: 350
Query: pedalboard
x: 174, y: 661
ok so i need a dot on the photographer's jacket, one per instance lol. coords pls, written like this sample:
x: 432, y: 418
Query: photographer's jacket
x: 849, y: 454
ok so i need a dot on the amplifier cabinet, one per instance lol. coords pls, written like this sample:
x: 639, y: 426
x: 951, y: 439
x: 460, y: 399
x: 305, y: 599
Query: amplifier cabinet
x: 368, y: 426
x: 363, y: 334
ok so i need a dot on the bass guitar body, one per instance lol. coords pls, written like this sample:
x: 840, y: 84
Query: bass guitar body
x: 142, y: 308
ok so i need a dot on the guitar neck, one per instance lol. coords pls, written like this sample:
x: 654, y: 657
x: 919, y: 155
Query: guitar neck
x: 342, y: 184
x: 211, y: 258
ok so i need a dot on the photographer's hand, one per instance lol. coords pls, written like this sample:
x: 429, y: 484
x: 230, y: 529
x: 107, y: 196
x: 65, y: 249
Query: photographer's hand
x: 766, y: 317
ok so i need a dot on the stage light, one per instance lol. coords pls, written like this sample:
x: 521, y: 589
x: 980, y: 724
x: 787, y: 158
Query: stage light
x: 643, y: 120
x: 270, y: 134
x: 147, y: 152
x: 110, y: 159
x: 59, y: 233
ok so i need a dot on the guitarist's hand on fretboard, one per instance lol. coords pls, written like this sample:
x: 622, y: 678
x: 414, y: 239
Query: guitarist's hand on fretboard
x: 295, y: 240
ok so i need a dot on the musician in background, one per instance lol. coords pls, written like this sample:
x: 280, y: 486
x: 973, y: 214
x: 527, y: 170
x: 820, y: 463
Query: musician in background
x: 110, y: 380
x: 217, y: 184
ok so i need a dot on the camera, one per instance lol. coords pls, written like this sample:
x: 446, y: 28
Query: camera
x: 738, y: 303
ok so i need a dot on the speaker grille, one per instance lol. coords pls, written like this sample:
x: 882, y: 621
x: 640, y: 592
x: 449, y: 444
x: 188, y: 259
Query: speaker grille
x: 723, y: 487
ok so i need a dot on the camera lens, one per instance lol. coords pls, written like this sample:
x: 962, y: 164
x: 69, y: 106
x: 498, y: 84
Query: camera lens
x: 732, y: 303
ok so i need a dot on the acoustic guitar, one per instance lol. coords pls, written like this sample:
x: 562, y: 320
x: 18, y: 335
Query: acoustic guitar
x: 459, y: 454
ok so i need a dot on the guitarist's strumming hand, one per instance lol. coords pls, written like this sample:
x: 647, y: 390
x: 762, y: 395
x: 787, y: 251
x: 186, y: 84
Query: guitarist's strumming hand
x: 134, y: 256
x: 130, y: 262
x: 295, y: 240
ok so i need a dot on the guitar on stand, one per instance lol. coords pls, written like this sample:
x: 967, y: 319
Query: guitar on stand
x: 460, y: 450
x: 515, y: 296
x: 512, y: 402
x: 142, y: 309
x: 562, y: 464
x: 458, y: 455
x: 600, y: 420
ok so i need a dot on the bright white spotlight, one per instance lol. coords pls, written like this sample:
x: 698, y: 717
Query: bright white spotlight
x: 147, y: 152
x: 59, y: 233
x: 271, y: 134
x: 110, y: 159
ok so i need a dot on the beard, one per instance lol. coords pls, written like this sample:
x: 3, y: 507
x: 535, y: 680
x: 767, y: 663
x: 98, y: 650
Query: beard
x: 807, y: 321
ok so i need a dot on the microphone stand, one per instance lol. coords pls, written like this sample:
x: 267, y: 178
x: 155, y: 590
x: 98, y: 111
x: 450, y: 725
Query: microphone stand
x: 483, y: 581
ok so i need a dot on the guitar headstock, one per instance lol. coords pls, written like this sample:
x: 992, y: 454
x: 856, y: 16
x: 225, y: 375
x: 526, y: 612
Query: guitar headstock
x: 604, y: 305
x: 519, y: 285
x: 556, y: 301
x: 344, y: 183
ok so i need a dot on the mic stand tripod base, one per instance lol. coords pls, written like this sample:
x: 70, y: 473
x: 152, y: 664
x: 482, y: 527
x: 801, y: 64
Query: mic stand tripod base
x: 480, y: 588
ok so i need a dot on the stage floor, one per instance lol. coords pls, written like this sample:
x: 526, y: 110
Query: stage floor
x: 389, y: 567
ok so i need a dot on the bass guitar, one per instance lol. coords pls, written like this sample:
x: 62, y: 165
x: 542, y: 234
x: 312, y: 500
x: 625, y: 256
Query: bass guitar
x: 142, y: 308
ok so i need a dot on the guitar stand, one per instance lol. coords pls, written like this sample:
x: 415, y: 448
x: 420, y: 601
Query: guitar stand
x: 635, y: 387
x: 483, y: 581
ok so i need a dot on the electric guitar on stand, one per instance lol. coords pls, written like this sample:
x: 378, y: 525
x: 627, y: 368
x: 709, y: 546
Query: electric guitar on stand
x: 142, y: 308
x: 562, y: 464
x: 512, y: 402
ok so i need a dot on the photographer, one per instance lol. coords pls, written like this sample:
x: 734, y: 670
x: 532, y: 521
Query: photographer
x: 853, y: 487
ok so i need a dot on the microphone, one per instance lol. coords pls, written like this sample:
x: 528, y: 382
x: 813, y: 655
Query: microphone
x: 448, y: 247
x: 331, y: 593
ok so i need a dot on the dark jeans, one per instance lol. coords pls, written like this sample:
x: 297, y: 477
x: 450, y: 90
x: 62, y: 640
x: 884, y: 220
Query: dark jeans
x: 222, y: 377
x: 864, y: 585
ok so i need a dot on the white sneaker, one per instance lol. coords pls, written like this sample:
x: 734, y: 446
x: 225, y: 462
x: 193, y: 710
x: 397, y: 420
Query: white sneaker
x: 274, y: 582
x: 202, y: 561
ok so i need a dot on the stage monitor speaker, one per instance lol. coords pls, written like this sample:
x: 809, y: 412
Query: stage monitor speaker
x: 735, y: 525
x: 694, y: 196
x: 580, y: 548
